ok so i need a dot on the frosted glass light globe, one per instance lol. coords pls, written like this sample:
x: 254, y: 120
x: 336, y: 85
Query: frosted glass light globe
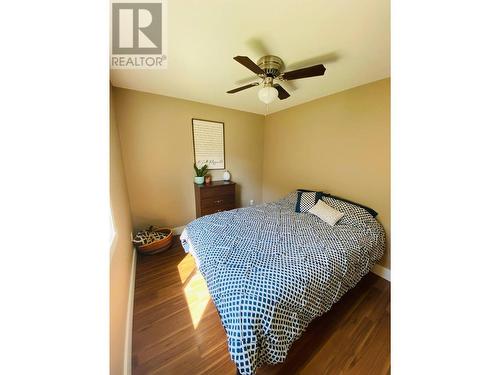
x: 268, y: 94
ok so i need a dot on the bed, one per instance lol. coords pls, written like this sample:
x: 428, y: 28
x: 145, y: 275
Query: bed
x: 270, y: 270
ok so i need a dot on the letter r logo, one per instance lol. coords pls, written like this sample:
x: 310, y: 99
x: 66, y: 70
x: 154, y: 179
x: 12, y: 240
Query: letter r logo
x: 137, y: 28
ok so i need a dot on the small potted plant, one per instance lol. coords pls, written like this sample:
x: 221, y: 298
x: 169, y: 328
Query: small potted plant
x: 200, y: 174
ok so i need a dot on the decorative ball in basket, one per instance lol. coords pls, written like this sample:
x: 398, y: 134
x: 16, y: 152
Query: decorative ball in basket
x: 153, y: 240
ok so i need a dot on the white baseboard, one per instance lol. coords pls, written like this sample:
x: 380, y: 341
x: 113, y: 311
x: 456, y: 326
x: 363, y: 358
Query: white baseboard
x: 178, y: 230
x: 127, y: 367
x: 382, y: 272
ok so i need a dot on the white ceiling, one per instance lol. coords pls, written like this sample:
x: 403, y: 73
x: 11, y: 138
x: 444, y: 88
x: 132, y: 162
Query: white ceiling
x: 350, y: 37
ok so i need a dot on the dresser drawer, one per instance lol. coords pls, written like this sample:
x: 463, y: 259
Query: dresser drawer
x: 213, y: 210
x: 217, y: 201
x: 215, y: 197
x: 217, y: 191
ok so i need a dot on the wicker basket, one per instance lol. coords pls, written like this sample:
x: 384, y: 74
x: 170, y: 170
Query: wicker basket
x: 157, y: 246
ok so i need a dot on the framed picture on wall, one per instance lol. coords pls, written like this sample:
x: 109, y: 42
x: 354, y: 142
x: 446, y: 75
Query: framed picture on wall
x: 208, y: 143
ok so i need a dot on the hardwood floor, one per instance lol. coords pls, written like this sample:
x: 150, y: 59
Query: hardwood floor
x: 176, y: 328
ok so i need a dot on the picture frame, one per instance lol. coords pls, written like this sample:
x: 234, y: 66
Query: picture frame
x: 208, y: 143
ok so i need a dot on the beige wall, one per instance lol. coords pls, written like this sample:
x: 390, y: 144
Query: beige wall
x: 121, y: 252
x: 157, y: 146
x: 339, y: 144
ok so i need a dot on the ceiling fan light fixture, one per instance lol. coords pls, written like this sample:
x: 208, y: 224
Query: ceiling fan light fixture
x: 268, y: 94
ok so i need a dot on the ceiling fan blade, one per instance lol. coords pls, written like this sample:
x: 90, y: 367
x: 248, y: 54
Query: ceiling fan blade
x: 243, y: 88
x: 249, y: 64
x: 282, y: 93
x: 311, y: 71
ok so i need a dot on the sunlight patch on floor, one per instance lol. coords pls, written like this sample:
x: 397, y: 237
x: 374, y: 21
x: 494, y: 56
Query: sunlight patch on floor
x: 186, y: 267
x: 197, y: 297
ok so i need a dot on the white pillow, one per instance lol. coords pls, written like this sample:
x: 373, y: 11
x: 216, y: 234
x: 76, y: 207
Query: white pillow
x: 326, y: 213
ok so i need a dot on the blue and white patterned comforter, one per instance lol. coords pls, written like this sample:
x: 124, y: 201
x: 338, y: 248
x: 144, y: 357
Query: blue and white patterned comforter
x: 270, y: 271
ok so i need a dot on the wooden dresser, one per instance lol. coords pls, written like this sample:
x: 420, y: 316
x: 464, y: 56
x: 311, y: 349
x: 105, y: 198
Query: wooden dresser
x: 215, y: 197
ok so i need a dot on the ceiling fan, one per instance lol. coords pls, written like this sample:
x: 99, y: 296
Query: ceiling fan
x: 269, y: 68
